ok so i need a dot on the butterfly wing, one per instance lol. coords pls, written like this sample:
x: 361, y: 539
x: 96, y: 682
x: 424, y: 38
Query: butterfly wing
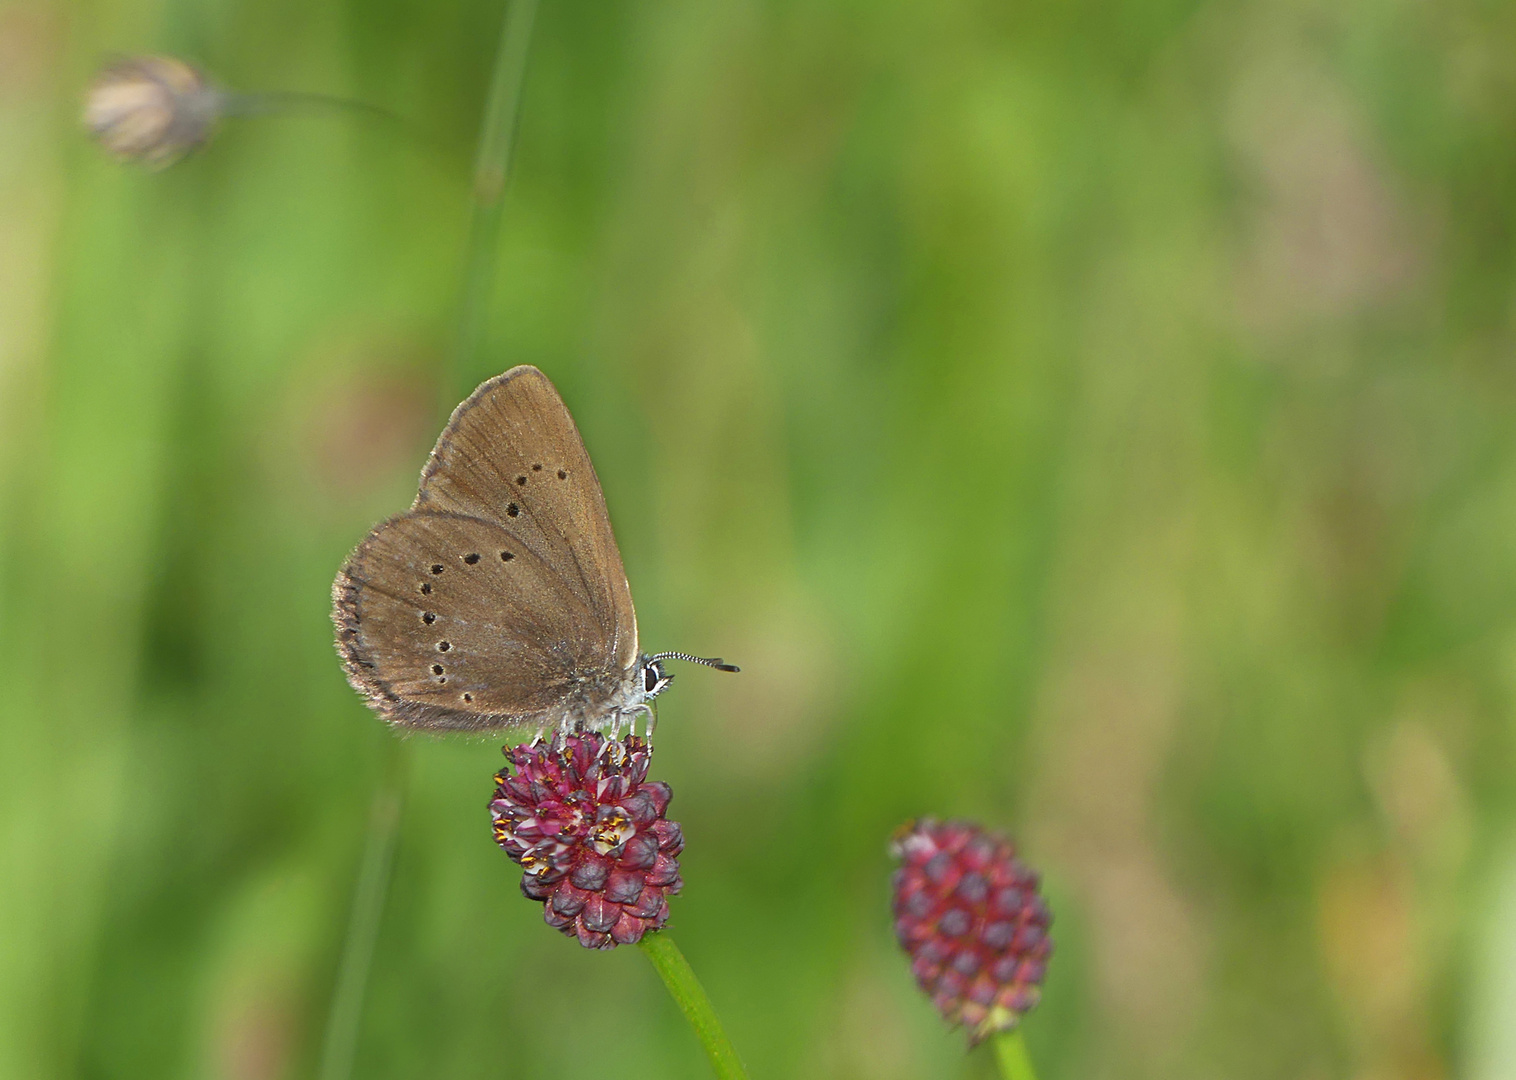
x: 511, y: 454
x: 504, y: 575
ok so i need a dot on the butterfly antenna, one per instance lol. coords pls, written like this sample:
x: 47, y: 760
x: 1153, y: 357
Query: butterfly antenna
x: 711, y: 661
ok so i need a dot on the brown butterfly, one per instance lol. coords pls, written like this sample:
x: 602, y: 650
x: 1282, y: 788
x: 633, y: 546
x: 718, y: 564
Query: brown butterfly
x: 498, y: 600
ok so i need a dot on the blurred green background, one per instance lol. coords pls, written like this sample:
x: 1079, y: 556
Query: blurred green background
x: 1094, y: 419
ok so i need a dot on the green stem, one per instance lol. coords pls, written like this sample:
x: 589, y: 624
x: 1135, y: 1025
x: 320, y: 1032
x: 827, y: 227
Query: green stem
x: 492, y: 165
x: 342, y: 1023
x: 492, y: 168
x: 689, y: 995
x: 1010, y: 1053
x: 276, y: 101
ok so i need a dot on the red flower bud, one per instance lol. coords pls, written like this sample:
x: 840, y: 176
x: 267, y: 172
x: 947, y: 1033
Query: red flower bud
x: 968, y: 913
x: 582, y: 820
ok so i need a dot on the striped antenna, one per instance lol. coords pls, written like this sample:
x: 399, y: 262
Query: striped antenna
x: 715, y: 662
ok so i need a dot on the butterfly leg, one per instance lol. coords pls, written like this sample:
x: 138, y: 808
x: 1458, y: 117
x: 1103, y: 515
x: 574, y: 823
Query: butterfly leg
x: 648, y: 725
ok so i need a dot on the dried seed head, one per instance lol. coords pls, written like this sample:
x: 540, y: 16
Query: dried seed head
x: 587, y: 827
x: 968, y: 913
x: 151, y: 109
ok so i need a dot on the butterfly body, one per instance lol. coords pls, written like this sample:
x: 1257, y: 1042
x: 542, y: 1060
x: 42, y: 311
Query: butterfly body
x: 499, y: 600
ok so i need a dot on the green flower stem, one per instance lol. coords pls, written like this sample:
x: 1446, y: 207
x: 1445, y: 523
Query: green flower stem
x: 689, y: 995
x: 492, y: 168
x: 261, y: 103
x: 1010, y: 1053
x: 369, y: 895
x: 492, y: 163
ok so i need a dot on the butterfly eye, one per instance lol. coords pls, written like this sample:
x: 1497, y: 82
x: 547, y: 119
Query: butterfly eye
x: 653, y: 678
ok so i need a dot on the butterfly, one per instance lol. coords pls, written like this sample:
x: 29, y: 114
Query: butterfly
x: 498, y: 600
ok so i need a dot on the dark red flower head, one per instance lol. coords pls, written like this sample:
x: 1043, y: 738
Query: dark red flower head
x: 587, y: 827
x: 968, y: 913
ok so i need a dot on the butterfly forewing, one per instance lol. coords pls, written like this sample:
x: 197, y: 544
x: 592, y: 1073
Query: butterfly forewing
x: 512, y: 454
x: 499, y: 599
